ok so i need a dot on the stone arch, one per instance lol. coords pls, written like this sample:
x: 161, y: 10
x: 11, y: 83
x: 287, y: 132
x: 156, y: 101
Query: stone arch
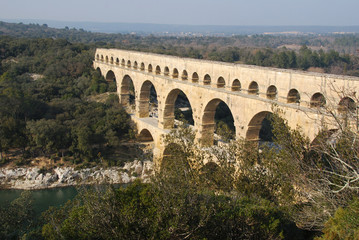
x: 111, y: 61
x: 123, y: 62
x: 195, y: 77
x: 221, y: 83
x: 117, y: 61
x: 158, y: 70
x: 170, y: 105
x: 259, y: 127
x: 97, y: 57
x: 236, y: 85
x: 106, y: 59
x: 128, y: 63
x: 272, y: 92
x: 253, y: 88
x: 145, y: 101
x: 101, y: 58
x: 142, y: 68
x: 293, y: 96
x: 167, y: 71
x: 184, y: 75
x: 323, y: 137
x: 346, y: 105
x: 98, y: 69
x: 209, y: 122
x: 135, y: 65
x: 207, y: 80
x: 127, y: 93
x: 110, y: 76
x: 149, y: 69
x: 175, y: 73
x: 317, y: 100
x: 145, y: 136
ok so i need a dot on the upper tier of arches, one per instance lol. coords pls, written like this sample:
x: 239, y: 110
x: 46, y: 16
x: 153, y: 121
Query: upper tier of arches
x: 271, y: 92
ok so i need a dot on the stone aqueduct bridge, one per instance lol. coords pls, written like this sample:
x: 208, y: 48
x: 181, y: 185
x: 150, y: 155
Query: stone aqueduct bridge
x: 248, y: 91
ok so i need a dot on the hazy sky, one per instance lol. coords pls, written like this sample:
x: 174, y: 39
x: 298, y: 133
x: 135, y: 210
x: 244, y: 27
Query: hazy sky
x: 194, y: 12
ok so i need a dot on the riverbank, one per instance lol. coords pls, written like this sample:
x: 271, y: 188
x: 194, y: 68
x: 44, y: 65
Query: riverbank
x: 36, y: 178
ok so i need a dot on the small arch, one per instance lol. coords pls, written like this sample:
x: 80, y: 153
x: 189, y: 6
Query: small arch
x: 175, y: 73
x: 106, y: 59
x: 293, y: 96
x: 142, y: 68
x: 346, y: 104
x: 272, y: 92
x: 102, y: 58
x: 236, y: 85
x: 111, y: 60
x: 123, y: 62
x: 184, y: 75
x: 117, y: 61
x: 195, y: 77
x: 135, y: 65
x: 128, y: 63
x: 317, y: 100
x: 167, y: 71
x: 207, y: 80
x: 145, y: 136
x: 158, y: 70
x: 97, y: 57
x: 149, y: 69
x: 221, y: 83
x: 253, y: 88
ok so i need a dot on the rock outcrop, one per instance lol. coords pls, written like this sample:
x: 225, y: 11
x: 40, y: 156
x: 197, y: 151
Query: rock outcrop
x: 34, y: 178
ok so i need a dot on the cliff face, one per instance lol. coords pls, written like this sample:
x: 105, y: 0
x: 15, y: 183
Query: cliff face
x: 33, y: 178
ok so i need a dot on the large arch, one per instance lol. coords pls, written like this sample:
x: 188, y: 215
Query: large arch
x: 110, y: 76
x: 127, y: 93
x: 170, y: 107
x: 145, y: 136
x: 259, y: 127
x: 209, y: 125
x: 148, y: 100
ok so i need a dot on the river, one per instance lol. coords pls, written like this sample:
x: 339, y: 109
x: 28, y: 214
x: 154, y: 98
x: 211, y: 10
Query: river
x: 43, y: 198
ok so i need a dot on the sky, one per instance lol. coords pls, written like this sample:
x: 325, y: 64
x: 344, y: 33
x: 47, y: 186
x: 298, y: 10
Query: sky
x: 189, y: 12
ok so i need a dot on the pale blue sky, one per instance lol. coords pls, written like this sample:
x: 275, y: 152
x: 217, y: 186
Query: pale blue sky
x: 194, y: 12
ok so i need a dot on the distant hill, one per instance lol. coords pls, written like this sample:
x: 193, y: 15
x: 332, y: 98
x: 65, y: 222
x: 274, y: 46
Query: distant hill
x: 201, y: 30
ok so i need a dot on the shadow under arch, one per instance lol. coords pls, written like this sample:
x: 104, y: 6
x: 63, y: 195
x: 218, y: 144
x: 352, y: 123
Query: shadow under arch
x: 145, y: 136
x: 127, y: 94
x: 260, y: 127
x: 110, y: 76
x: 217, y: 117
x: 148, y: 102
x: 177, y: 106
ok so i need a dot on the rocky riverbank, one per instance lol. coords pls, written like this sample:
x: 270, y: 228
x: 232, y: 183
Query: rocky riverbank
x: 36, y: 178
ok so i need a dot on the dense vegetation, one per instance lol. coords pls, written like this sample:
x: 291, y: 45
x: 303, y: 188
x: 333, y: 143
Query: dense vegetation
x: 50, y: 113
x: 294, y: 191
